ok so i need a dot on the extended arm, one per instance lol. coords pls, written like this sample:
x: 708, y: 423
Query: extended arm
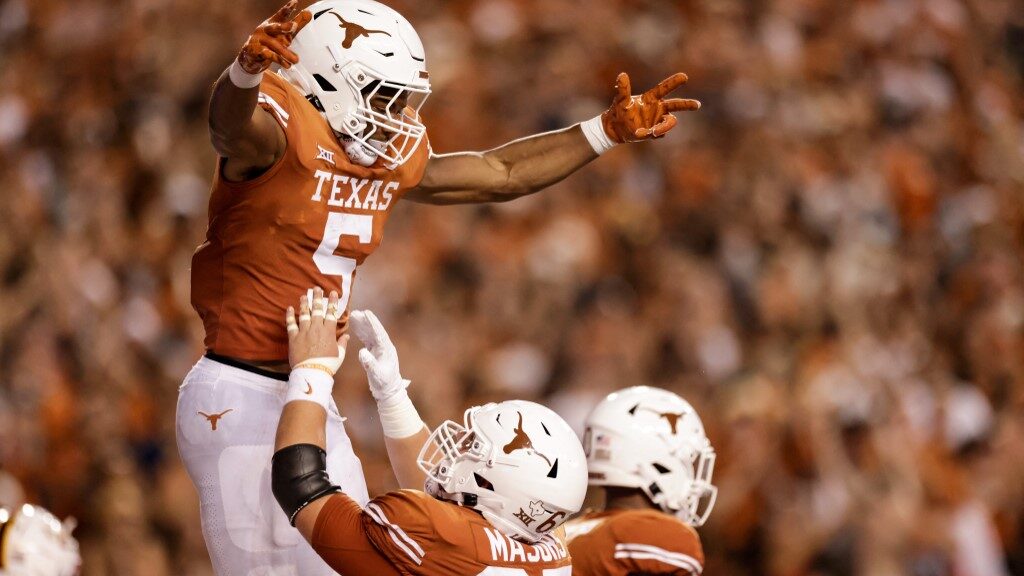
x: 404, y: 430
x: 533, y: 163
x: 246, y: 135
x: 299, y: 469
x: 516, y: 169
x: 327, y: 518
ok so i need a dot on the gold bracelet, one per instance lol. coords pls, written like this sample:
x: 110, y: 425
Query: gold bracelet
x: 318, y: 367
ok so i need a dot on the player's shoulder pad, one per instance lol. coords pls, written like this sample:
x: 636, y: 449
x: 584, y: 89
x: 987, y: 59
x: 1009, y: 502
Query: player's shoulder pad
x: 276, y: 96
x: 639, y: 528
x: 442, y: 520
x: 404, y: 516
x: 411, y: 506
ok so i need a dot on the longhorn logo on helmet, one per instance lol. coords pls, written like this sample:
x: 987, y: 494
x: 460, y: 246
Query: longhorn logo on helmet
x: 354, y: 31
x: 522, y: 441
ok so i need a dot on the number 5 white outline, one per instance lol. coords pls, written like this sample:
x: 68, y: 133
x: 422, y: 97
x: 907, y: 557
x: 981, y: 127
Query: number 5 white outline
x: 342, y: 224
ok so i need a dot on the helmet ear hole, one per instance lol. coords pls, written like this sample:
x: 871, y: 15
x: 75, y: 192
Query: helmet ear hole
x: 660, y: 468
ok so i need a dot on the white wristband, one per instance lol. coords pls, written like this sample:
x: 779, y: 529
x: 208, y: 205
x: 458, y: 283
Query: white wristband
x: 243, y: 79
x: 398, y: 416
x: 312, y: 381
x: 593, y: 129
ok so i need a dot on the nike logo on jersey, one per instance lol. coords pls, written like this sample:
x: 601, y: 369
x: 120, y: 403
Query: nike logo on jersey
x: 343, y: 191
x: 309, y: 388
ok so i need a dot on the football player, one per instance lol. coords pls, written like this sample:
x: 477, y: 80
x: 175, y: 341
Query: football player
x: 498, y: 484
x: 34, y: 542
x: 313, y: 155
x: 647, y: 450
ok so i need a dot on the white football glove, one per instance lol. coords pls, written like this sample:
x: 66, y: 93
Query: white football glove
x: 398, y: 416
x: 379, y: 357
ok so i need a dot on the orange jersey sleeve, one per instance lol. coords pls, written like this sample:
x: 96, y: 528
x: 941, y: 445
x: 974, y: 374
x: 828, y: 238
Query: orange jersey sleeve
x: 418, y: 535
x: 620, y: 543
x: 309, y: 220
x: 340, y: 539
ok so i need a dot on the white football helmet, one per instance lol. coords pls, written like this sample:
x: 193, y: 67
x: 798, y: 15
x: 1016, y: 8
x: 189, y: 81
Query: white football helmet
x: 652, y: 439
x: 34, y: 543
x: 352, y: 55
x: 516, y: 462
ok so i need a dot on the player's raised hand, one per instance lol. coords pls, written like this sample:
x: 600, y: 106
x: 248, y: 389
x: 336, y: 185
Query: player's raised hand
x: 379, y: 357
x: 649, y: 115
x: 269, y: 43
x: 312, y: 334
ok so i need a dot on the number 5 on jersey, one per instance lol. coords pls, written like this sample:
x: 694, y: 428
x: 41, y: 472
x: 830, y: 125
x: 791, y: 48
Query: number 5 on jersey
x: 341, y: 224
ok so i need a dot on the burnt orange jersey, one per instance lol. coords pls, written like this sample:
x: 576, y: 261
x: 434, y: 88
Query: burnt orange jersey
x: 307, y: 221
x: 623, y: 542
x: 409, y: 532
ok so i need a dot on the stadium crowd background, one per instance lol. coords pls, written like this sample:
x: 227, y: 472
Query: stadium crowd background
x: 826, y: 260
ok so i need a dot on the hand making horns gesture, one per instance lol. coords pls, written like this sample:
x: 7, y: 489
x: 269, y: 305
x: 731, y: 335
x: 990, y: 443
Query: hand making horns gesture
x: 649, y: 115
x: 269, y: 43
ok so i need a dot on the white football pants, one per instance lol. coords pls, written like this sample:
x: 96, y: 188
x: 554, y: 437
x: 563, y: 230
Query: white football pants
x: 226, y: 423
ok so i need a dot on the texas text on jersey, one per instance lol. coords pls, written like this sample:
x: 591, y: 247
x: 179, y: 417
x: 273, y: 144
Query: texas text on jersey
x: 409, y: 532
x: 309, y: 220
x: 623, y: 542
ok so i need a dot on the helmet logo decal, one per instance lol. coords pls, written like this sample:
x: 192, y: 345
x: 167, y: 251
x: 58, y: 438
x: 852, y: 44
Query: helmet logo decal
x: 670, y: 417
x: 523, y: 517
x: 354, y: 31
x: 213, y: 418
x: 522, y: 442
x: 537, y: 508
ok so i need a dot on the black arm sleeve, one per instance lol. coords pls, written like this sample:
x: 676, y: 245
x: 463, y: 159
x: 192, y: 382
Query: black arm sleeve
x: 299, y: 476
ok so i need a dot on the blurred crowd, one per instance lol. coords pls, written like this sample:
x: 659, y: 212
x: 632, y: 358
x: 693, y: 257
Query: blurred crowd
x: 826, y: 260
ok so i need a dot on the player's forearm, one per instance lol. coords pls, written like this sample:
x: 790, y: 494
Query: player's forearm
x: 404, y: 430
x: 536, y: 162
x: 404, y: 436
x: 301, y: 423
x: 403, y: 453
x: 505, y: 173
x: 298, y: 471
